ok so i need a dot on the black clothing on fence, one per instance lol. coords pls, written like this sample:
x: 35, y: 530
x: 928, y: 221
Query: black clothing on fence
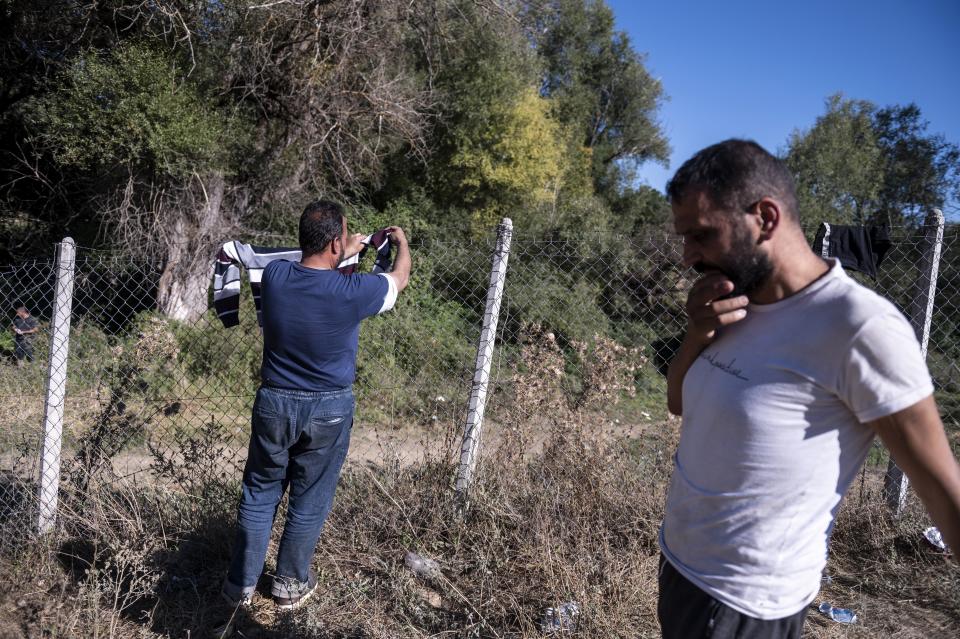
x: 860, y: 248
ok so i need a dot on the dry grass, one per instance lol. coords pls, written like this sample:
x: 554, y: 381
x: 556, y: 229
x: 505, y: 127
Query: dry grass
x: 578, y: 522
x: 561, y: 511
x: 570, y: 526
x: 884, y: 570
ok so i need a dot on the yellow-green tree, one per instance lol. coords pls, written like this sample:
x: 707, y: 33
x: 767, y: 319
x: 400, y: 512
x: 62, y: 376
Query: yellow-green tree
x: 515, y: 162
x: 598, y: 86
x: 498, y: 151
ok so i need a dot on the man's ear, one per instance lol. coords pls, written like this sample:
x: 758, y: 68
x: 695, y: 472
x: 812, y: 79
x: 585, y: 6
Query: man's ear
x: 770, y: 213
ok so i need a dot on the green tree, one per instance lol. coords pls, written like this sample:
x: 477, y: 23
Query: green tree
x: 599, y: 87
x: 860, y: 164
x: 129, y: 109
x: 921, y: 170
x: 837, y: 164
x: 499, y: 150
x: 163, y: 128
x: 640, y: 206
x: 130, y: 125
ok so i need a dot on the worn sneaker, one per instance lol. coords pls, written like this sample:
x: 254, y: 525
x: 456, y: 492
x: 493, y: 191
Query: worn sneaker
x: 231, y: 611
x: 289, y: 593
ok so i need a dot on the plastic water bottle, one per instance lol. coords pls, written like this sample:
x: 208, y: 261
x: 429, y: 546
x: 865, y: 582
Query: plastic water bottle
x: 422, y: 566
x: 840, y: 615
x: 932, y: 534
x: 563, y: 618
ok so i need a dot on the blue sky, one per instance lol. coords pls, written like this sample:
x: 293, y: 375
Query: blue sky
x: 756, y: 69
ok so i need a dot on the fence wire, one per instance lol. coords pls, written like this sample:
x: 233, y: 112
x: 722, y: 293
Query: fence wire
x: 22, y: 382
x: 587, y: 327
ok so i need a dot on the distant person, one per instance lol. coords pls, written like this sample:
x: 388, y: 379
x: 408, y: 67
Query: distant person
x: 303, y: 412
x: 787, y: 372
x: 25, y: 328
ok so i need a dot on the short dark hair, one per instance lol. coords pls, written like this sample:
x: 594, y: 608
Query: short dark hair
x: 735, y: 174
x: 320, y: 222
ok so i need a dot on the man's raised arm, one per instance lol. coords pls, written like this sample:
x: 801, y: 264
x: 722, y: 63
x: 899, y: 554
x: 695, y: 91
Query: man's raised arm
x: 401, y: 265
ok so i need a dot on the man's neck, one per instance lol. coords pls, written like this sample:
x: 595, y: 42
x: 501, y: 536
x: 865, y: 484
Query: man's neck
x: 325, y: 261
x: 796, y: 270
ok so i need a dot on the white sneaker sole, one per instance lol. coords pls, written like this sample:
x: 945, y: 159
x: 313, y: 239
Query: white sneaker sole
x: 299, y: 602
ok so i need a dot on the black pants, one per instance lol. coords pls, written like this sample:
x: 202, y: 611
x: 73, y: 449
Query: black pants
x: 23, y: 351
x: 686, y: 612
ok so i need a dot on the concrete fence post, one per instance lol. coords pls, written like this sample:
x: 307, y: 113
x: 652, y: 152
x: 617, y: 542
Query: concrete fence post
x: 56, y: 386
x: 920, y: 313
x: 470, y: 446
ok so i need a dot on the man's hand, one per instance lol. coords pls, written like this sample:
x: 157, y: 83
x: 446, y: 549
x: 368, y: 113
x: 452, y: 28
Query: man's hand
x: 354, y: 245
x: 397, y: 236
x: 706, y: 311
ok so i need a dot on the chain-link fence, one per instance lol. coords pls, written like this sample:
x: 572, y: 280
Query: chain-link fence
x: 586, y: 329
x: 23, y: 372
x: 150, y: 399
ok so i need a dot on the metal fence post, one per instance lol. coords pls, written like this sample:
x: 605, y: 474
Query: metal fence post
x: 920, y: 313
x: 470, y: 445
x: 56, y: 386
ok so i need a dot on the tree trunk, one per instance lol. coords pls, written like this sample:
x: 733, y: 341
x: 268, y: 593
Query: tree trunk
x: 191, y: 248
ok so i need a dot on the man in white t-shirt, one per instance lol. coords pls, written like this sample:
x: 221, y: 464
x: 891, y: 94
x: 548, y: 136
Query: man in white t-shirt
x: 787, y: 371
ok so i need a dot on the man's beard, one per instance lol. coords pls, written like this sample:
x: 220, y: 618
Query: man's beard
x: 747, y: 266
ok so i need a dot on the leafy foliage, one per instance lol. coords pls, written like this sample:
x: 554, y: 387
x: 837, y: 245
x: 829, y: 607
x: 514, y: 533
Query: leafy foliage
x: 861, y: 164
x: 515, y: 161
x: 130, y: 108
x: 600, y: 88
x: 921, y: 171
x: 838, y: 164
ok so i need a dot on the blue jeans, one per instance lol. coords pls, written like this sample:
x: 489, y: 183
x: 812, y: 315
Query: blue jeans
x: 299, y: 439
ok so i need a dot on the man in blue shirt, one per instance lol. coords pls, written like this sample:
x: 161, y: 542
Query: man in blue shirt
x: 303, y: 411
